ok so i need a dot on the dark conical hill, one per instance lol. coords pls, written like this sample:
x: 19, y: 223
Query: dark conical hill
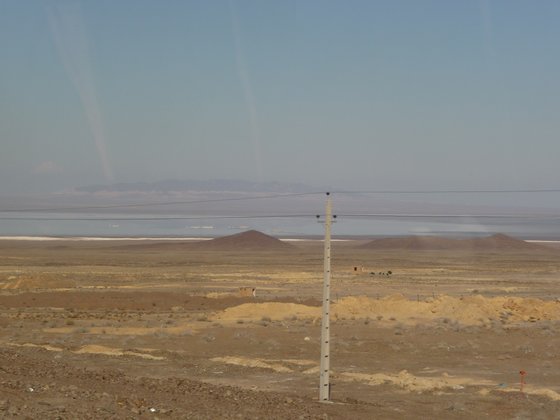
x: 250, y: 240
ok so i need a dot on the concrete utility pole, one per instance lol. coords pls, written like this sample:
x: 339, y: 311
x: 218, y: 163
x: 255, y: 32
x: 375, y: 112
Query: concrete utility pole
x: 324, y: 383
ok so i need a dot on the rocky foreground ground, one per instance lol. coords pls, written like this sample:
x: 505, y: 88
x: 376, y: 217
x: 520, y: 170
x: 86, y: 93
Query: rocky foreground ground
x: 92, y: 331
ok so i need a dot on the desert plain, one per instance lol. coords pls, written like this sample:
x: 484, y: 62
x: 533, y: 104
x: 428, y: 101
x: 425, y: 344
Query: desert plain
x: 420, y: 328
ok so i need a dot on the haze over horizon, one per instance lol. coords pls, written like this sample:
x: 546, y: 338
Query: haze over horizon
x: 371, y: 95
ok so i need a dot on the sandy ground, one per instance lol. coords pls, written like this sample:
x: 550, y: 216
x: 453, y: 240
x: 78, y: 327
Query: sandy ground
x: 147, y: 330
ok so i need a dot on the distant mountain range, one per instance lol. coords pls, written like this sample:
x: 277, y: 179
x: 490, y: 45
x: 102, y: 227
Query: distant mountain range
x: 174, y: 185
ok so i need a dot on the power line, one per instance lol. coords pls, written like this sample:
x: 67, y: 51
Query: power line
x: 445, y: 216
x: 272, y: 196
x: 296, y: 216
x: 100, y: 219
x: 498, y: 191
x: 155, y: 204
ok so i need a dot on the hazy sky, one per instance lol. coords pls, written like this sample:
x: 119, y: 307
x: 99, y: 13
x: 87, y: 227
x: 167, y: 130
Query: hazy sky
x: 354, y: 94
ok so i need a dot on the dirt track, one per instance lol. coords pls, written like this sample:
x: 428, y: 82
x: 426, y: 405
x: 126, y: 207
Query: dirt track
x: 119, y: 331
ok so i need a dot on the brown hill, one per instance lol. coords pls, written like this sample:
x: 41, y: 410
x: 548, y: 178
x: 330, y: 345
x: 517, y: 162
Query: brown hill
x: 250, y: 240
x: 494, y: 242
x: 501, y: 241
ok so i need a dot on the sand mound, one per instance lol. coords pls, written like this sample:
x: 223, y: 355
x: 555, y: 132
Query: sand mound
x: 412, y: 383
x: 274, y: 310
x: 38, y: 282
x: 94, y: 349
x: 250, y: 240
x: 531, y: 390
x: 111, y: 351
x: 40, y: 346
x: 471, y: 310
x: 254, y: 363
x: 494, y: 242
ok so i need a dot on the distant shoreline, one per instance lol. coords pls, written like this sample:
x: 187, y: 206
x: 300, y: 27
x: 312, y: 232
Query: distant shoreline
x: 99, y: 238
x: 146, y: 238
x: 194, y: 239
